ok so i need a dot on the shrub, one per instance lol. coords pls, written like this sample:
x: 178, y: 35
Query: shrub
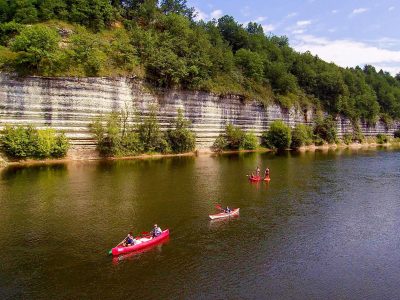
x: 301, y: 135
x: 220, y: 144
x: 28, y: 142
x: 114, y: 137
x: 234, y: 135
x: 150, y: 135
x: 180, y: 138
x: 278, y: 136
x: 325, y: 129
x: 49, y: 144
x: 381, y: 138
x: 397, y: 133
x: 347, y: 138
x: 249, y: 142
x: 234, y: 138
x: 8, y: 31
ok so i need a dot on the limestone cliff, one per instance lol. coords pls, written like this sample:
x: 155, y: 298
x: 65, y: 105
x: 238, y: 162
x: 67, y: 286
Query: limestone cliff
x: 70, y: 104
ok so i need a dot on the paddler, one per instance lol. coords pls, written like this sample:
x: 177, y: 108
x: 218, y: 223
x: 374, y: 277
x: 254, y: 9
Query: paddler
x: 129, y: 240
x: 156, y: 231
x: 258, y: 171
x: 267, y: 172
x: 227, y: 210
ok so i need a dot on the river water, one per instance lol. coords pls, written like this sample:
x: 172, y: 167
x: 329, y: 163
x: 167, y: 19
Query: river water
x: 325, y: 227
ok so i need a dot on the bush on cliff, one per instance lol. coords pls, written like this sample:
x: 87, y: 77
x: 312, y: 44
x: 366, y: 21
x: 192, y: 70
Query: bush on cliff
x: 150, y: 134
x: 382, y: 138
x: 180, y: 138
x: 278, y: 136
x: 302, y: 135
x: 115, y: 137
x: 325, y: 129
x: 122, y: 134
x: 397, y: 134
x: 28, y: 142
x: 234, y: 138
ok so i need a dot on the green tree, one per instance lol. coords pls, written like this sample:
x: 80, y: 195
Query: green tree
x: 325, y: 129
x: 301, y: 135
x: 250, y: 63
x: 24, y: 11
x: 181, y: 139
x: 36, y: 46
x: 278, y: 136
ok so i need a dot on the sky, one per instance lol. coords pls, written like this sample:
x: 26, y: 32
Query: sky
x: 346, y: 32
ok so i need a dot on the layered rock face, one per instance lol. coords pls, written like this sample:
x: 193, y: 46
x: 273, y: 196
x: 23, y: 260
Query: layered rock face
x: 71, y: 104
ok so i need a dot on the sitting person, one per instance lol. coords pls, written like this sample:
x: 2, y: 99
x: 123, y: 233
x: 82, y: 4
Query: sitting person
x: 267, y: 172
x: 156, y: 231
x: 227, y: 210
x: 129, y: 240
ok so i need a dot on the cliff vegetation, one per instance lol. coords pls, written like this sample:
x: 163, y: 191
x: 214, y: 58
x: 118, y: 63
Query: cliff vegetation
x: 162, y: 43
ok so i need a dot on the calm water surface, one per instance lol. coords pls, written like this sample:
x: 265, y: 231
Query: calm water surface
x: 325, y: 227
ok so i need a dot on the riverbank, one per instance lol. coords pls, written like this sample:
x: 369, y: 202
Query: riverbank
x: 90, y: 154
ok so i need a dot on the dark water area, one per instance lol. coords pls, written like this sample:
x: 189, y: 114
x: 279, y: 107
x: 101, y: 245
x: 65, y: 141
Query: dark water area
x: 325, y: 227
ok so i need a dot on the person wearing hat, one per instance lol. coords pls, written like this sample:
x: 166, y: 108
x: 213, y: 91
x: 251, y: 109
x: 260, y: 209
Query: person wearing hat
x: 156, y: 231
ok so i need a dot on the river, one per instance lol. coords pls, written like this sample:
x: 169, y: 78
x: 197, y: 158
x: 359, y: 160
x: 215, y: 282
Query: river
x: 325, y: 227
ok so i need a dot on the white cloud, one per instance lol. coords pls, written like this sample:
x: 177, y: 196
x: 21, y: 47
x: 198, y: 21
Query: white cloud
x: 268, y: 27
x: 303, y: 23
x: 200, y: 15
x: 300, y: 27
x: 335, y: 11
x: 391, y: 8
x: 215, y: 14
x: 349, y: 53
x: 358, y: 11
x: 260, y: 19
x: 291, y: 15
x: 297, y: 31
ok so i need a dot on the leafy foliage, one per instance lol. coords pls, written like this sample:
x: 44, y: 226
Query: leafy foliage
x: 180, y: 138
x: 234, y: 138
x: 123, y: 134
x: 382, y: 138
x: 325, y: 129
x: 35, y: 46
x: 161, y: 42
x: 278, y: 136
x: 28, y: 142
x: 302, y: 135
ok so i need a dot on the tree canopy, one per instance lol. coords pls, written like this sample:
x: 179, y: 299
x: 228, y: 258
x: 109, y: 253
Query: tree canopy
x: 161, y: 42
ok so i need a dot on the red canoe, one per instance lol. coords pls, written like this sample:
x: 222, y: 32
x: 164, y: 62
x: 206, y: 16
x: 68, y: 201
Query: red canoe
x: 142, y: 243
x: 267, y: 179
x: 255, y: 178
x: 234, y: 212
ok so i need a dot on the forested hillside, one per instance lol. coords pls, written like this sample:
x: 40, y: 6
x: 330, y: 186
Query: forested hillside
x: 161, y: 42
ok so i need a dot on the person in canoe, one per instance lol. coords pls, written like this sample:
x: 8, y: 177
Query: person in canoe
x: 227, y: 210
x: 156, y: 231
x: 129, y: 240
x: 258, y: 171
x: 267, y: 173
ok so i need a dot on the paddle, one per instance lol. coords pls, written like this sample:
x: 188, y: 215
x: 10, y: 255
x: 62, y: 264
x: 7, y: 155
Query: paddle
x: 218, y: 206
x: 110, y: 252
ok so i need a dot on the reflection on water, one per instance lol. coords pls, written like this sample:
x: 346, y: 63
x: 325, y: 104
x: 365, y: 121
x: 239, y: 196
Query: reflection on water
x: 326, y: 226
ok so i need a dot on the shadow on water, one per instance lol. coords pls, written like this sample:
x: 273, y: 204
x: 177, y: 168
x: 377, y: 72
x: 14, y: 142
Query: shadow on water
x: 13, y: 172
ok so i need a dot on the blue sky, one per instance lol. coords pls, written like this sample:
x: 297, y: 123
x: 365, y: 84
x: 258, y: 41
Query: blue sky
x: 347, y: 32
